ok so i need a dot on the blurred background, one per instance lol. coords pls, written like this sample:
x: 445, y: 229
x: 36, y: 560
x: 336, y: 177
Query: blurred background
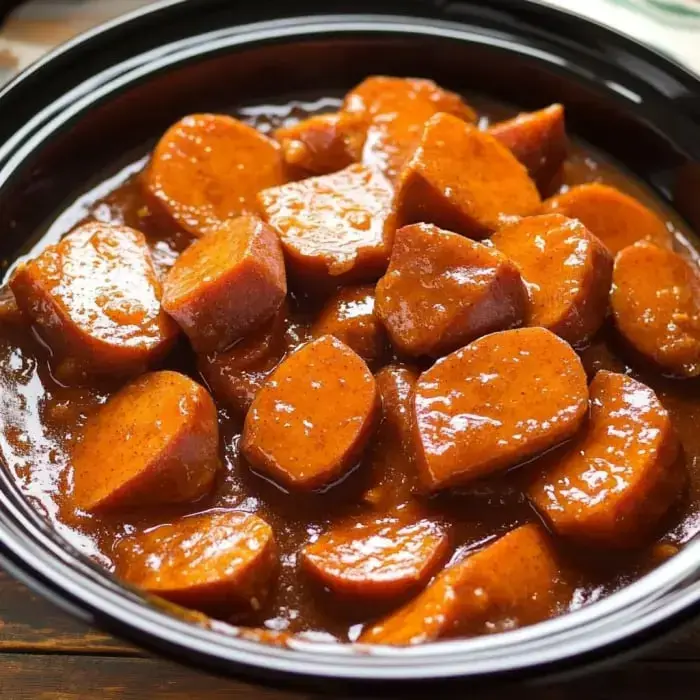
x: 32, y: 27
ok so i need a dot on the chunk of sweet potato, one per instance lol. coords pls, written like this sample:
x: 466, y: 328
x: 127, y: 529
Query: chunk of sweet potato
x: 208, y: 168
x: 537, y: 140
x: 621, y: 475
x: 323, y: 143
x: 396, y: 385
x: 291, y: 435
x: 567, y: 271
x: 376, y: 560
x: 94, y: 297
x: 442, y: 291
x: 335, y: 228
x: 349, y: 316
x: 463, y: 180
x: 655, y: 302
x: 617, y: 219
x: 496, y: 403
x: 227, y: 283
x: 514, y: 581
x: 236, y: 374
x: 395, y: 110
x: 155, y: 441
x: 216, y: 561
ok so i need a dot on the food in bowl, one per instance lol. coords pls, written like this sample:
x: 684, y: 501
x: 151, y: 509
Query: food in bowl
x: 399, y: 372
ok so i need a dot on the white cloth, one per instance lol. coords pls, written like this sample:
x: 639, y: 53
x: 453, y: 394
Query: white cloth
x: 673, y: 26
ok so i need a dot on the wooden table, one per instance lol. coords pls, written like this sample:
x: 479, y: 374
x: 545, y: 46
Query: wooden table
x: 45, y: 655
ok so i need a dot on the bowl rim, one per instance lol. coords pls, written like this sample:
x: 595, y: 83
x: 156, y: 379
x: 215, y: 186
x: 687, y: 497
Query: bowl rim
x: 33, y: 552
x: 157, y: 6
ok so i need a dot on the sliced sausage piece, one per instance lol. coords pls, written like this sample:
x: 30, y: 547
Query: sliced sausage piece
x: 292, y: 434
x: 95, y: 298
x: 617, y: 219
x: 350, y: 317
x: 377, y: 560
x: 324, y: 143
x: 656, y: 306
x: 515, y: 581
x: 622, y: 474
x: 208, y: 168
x: 219, y: 560
x: 496, y: 403
x: 226, y: 284
x: 395, y: 110
x: 442, y: 291
x: 236, y: 375
x: 463, y: 180
x: 567, y: 271
x: 155, y: 441
x: 396, y: 385
x: 537, y: 140
x: 334, y: 228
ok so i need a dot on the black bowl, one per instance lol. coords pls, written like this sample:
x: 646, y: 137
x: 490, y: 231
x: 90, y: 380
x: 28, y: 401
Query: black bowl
x: 110, y: 91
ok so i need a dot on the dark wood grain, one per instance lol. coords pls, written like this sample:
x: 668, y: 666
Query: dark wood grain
x: 64, y: 659
x: 28, y: 623
x: 69, y: 677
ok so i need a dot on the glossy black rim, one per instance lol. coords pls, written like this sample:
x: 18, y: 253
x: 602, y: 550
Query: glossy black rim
x: 37, y: 555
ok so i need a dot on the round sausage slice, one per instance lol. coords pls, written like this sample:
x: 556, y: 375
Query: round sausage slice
x: 334, y: 228
x: 208, y: 168
x: 394, y: 111
x: 323, y: 143
x: 155, y: 441
x: 463, y: 180
x: 214, y: 562
x: 95, y: 299
x: 620, y: 475
x: 567, y: 271
x: 376, y: 560
x: 442, y: 291
x: 656, y: 306
x: 495, y: 403
x: 617, y: 219
x: 226, y: 284
x: 311, y: 420
x: 350, y: 317
x: 537, y: 140
x: 514, y: 581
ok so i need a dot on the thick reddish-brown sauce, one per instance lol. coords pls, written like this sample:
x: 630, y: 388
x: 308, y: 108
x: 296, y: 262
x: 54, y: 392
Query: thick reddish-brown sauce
x: 40, y: 418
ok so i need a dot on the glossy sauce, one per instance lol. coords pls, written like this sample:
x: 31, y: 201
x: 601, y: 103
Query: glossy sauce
x: 40, y: 418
